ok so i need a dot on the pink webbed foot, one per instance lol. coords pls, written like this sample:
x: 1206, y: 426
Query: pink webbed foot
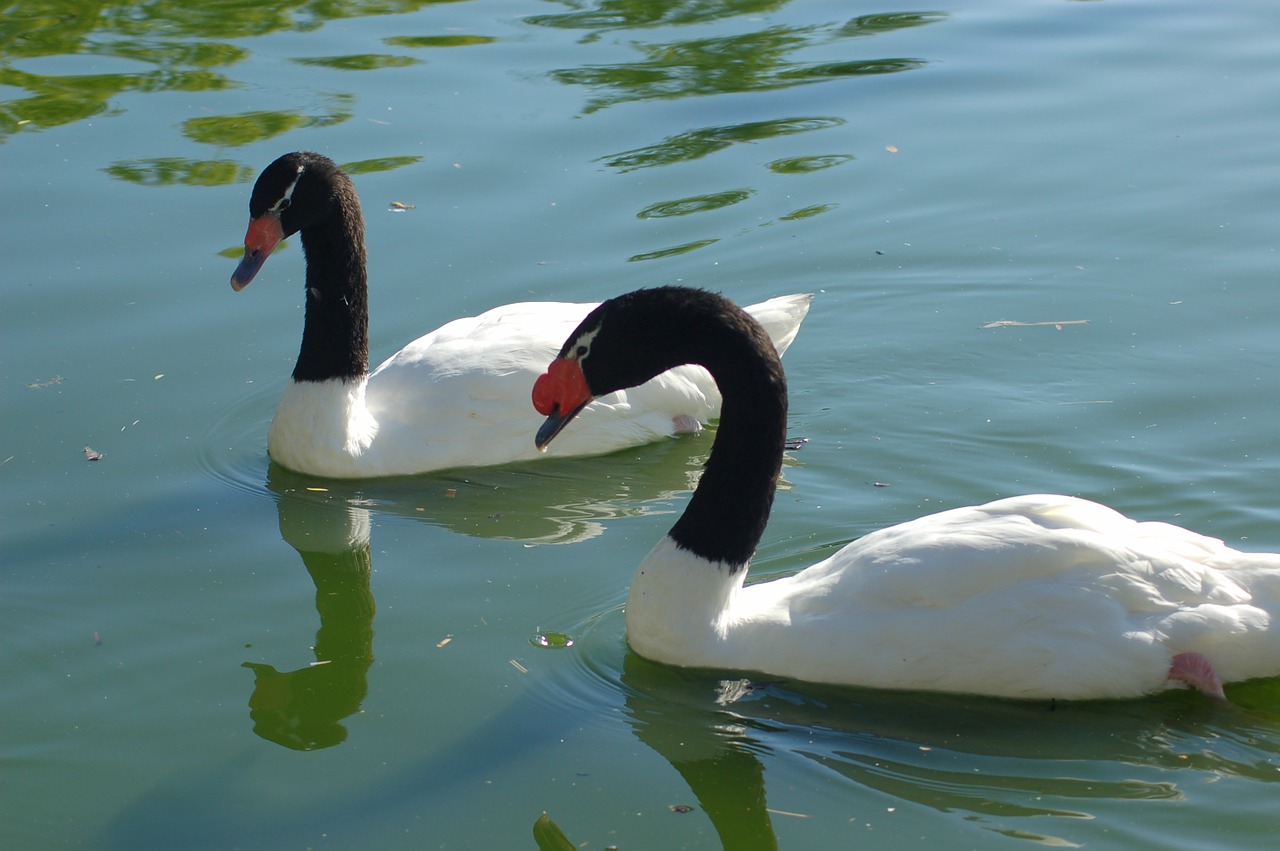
x: 1197, y: 671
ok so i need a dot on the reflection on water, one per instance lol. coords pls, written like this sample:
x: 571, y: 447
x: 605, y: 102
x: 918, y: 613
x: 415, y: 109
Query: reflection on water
x: 329, y: 523
x: 695, y: 144
x: 302, y: 709
x: 379, y: 164
x: 805, y: 165
x: 1033, y: 771
x: 550, y: 501
x: 116, y: 31
x: 710, y: 749
x: 744, y: 62
x: 359, y: 61
x: 246, y: 127
x: 181, y: 41
x: 638, y: 14
x: 765, y: 58
x: 695, y: 204
x: 452, y: 40
x: 167, y: 171
x: 998, y: 764
x: 910, y: 767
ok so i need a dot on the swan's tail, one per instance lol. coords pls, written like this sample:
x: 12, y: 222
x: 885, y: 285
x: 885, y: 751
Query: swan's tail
x: 781, y: 317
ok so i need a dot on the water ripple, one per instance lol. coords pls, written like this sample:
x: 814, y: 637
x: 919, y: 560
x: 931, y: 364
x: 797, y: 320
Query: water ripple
x: 233, y: 449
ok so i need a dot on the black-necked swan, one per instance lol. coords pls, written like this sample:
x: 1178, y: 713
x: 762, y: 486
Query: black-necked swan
x: 1036, y: 596
x: 455, y: 397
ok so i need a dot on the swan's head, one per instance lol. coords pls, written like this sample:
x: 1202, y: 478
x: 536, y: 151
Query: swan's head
x: 559, y: 394
x: 293, y: 192
x: 564, y: 389
x: 626, y: 341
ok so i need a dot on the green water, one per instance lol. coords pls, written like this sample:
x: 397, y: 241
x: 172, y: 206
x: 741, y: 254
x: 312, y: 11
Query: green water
x: 1101, y: 171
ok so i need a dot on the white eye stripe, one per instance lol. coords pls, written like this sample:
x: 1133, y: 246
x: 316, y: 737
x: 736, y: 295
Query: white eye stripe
x: 287, y: 198
x: 582, y: 346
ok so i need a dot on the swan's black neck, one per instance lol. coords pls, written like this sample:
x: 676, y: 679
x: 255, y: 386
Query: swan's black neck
x: 335, y: 336
x: 729, y: 509
x: 670, y: 326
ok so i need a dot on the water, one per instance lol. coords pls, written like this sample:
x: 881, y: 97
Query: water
x: 1105, y: 168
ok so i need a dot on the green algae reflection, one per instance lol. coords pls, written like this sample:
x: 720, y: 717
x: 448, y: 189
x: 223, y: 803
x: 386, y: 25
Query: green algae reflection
x: 696, y: 144
x: 379, y: 164
x: 169, y: 171
x: 762, y: 60
x: 359, y: 61
x: 116, y: 31
x: 437, y: 40
x: 806, y: 165
x: 672, y: 251
x: 695, y: 204
x: 245, y: 127
x: 637, y: 14
x: 180, y: 46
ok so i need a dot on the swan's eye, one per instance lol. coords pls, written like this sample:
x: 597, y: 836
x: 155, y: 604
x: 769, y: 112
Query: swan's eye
x: 583, y: 347
x: 286, y: 198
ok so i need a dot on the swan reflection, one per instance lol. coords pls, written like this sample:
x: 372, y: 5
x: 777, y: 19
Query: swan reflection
x: 1042, y: 772
x: 552, y: 501
x: 328, y: 523
x: 303, y: 709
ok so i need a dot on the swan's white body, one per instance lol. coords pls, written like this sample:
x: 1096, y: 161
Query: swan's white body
x: 1035, y: 596
x: 1028, y: 597
x: 459, y: 396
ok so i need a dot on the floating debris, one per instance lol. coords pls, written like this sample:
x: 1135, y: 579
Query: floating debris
x: 551, y: 639
x: 549, y: 836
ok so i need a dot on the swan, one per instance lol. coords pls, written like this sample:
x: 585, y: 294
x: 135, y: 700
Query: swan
x: 1037, y: 596
x: 454, y: 397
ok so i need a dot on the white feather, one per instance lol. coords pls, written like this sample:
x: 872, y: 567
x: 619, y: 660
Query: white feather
x: 460, y: 396
x: 1036, y: 596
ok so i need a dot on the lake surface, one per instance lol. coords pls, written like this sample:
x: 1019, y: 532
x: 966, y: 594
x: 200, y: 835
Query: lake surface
x: 201, y: 650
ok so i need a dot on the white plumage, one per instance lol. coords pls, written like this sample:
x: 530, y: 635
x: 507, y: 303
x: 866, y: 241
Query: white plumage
x: 459, y: 396
x: 1038, y: 596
